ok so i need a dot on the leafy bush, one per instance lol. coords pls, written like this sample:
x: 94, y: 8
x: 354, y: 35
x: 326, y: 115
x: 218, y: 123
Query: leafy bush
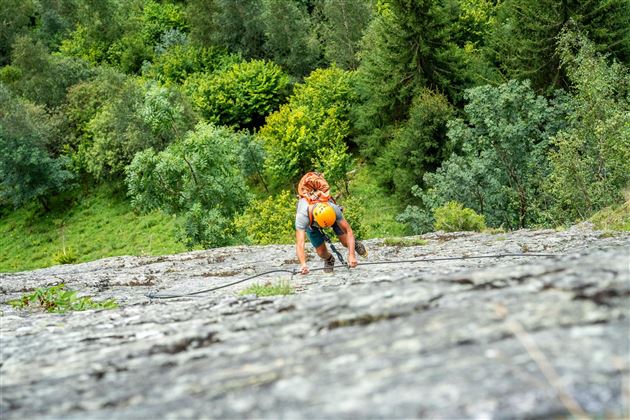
x: 59, y: 299
x: 269, y: 221
x: 197, y: 178
x: 136, y: 117
x: 453, y: 217
x: 243, y: 95
x: 309, y: 133
x: 500, y: 160
x: 28, y: 171
x: 179, y: 62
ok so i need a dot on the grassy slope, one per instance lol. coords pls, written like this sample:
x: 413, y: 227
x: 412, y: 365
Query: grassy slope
x: 379, y: 210
x: 97, y: 226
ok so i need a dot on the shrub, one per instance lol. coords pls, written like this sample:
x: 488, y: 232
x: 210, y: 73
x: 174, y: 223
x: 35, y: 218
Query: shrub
x: 243, y: 95
x: 269, y: 221
x: 309, y: 133
x: 59, y: 299
x: 453, y: 217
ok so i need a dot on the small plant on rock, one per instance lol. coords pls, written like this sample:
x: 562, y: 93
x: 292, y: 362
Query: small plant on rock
x: 268, y: 289
x: 59, y: 299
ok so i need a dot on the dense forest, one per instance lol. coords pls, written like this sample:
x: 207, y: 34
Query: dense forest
x: 501, y: 114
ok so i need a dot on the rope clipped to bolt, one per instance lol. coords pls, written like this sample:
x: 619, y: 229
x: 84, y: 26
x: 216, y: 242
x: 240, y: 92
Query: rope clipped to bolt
x: 294, y: 272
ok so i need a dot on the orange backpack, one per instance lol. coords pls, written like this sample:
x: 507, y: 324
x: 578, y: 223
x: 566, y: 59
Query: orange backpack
x: 314, y: 189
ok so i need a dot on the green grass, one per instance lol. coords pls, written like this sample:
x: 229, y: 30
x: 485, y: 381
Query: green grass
x: 614, y: 218
x: 379, y: 209
x: 98, y: 225
x: 268, y: 289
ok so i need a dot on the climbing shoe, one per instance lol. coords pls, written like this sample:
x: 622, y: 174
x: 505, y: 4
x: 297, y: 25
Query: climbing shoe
x: 361, y: 249
x: 329, y: 264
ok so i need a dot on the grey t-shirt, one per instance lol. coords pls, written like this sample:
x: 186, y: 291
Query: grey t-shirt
x: 301, y: 215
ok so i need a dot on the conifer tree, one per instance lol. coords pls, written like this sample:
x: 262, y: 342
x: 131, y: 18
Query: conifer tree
x: 406, y: 49
x: 524, y: 42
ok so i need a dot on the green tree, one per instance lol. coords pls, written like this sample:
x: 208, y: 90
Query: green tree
x: 17, y: 17
x: 242, y: 95
x: 418, y: 145
x: 341, y: 27
x: 525, y: 40
x: 41, y: 77
x: 27, y: 169
x: 138, y: 117
x: 500, y: 160
x: 591, y: 158
x: 290, y: 36
x: 196, y: 178
x: 310, y: 132
x: 406, y: 49
x: 234, y: 25
x: 175, y: 64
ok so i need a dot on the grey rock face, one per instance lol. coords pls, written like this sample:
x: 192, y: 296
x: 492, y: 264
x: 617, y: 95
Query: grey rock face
x: 507, y: 337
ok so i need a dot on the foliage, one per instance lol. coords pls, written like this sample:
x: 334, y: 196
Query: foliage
x: 236, y: 26
x: 524, y: 41
x: 251, y: 157
x: 176, y: 63
x: 268, y: 289
x: 270, y: 220
x: 197, y: 178
x: 28, y: 171
x: 591, y: 158
x: 60, y: 300
x: 309, y: 132
x: 453, y: 217
x: 97, y: 224
x: 276, y: 30
x: 242, y: 95
x: 406, y: 49
x: 341, y: 27
x: 417, y: 146
x: 40, y: 77
x: 290, y: 36
x: 137, y: 117
x: 16, y: 17
x: 354, y: 212
x: 65, y: 256
x: 500, y: 160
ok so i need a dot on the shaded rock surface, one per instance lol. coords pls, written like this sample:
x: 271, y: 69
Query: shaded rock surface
x: 509, y: 337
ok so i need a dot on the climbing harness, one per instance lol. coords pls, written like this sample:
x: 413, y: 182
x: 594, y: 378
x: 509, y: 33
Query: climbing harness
x: 327, y: 239
x: 294, y: 271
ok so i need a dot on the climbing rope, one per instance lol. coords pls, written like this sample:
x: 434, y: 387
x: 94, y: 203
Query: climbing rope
x: 293, y: 272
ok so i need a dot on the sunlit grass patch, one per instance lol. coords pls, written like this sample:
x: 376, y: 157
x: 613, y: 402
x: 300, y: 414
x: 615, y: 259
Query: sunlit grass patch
x: 269, y: 289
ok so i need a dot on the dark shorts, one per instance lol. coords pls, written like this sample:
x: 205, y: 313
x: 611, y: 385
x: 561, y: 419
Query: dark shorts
x: 316, y: 237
